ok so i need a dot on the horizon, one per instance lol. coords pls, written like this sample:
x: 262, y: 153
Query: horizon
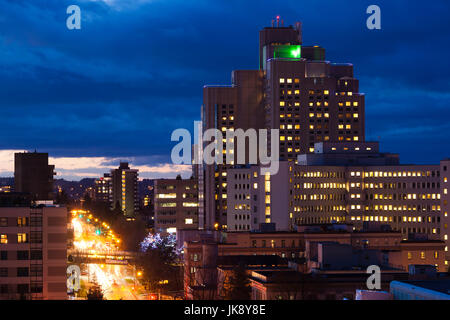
x: 105, y: 93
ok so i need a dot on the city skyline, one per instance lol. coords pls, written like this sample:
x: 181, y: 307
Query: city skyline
x: 238, y: 150
x: 116, y: 99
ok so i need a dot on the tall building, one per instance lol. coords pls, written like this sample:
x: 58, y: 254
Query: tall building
x: 296, y: 91
x: 33, y: 174
x: 33, y: 252
x: 176, y: 204
x: 103, y: 189
x: 125, y: 189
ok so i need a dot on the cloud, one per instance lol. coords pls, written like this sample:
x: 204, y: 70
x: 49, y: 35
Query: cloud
x: 135, y: 71
x: 75, y: 168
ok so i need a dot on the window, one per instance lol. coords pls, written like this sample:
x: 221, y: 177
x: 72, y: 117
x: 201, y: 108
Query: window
x: 3, y: 222
x: 21, y: 221
x: 409, y: 255
x: 3, y: 272
x: 168, y: 205
x: 22, y: 272
x: 422, y: 255
x: 22, y: 238
x: 22, y: 255
x: 3, y: 255
x: 3, y: 239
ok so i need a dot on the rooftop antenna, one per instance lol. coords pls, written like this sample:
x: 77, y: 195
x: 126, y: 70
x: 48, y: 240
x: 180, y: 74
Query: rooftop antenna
x: 278, y: 21
x: 273, y: 21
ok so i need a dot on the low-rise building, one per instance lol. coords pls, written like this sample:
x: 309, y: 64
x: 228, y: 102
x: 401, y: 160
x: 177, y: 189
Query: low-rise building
x: 176, y: 204
x: 343, y: 182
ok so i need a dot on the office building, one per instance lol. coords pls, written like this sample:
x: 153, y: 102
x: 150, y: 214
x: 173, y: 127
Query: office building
x: 125, y: 190
x: 344, y: 182
x: 296, y: 91
x: 33, y: 174
x: 175, y: 204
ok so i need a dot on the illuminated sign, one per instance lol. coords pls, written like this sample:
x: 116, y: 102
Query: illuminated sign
x: 287, y: 51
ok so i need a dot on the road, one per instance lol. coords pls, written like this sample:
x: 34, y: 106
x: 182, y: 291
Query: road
x: 117, y: 281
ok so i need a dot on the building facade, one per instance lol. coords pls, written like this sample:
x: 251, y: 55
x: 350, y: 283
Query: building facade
x: 347, y: 183
x: 125, y: 190
x: 103, y: 190
x: 175, y: 204
x: 296, y: 91
x: 33, y: 174
x: 33, y: 253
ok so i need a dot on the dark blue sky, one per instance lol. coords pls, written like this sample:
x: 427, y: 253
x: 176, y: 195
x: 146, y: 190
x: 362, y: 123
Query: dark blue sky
x: 135, y: 71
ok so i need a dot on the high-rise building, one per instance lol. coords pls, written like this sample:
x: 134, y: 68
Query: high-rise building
x: 33, y: 252
x: 125, y: 189
x: 103, y: 189
x: 33, y: 174
x: 296, y: 91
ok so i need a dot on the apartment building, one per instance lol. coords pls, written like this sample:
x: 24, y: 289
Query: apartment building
x: 33, y: 252
x: 125, y: 190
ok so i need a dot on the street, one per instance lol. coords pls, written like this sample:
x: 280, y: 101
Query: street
x: 117, y: 281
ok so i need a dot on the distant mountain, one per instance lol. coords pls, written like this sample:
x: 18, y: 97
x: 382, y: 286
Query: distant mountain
x: 7, y: 181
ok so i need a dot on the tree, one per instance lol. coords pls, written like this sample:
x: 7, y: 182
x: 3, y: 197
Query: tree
x: 131, y: 232
x: 62, y: 198
x: 159, y: 263
x: 238, y: 286
x: 87, y: 201
x: 95, y: 293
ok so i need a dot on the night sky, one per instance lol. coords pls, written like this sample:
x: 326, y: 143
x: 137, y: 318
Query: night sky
x: 117, y: 88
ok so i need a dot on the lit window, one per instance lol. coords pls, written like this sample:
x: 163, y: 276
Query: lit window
x: 21, y: 238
